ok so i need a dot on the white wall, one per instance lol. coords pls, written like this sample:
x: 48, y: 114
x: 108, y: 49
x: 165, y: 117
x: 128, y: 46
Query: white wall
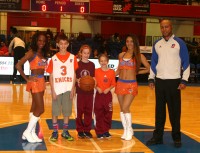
x: 183, y: 28
x: 79, y: 23
x: 180, y: 28
x: 3, y: 22
x: 152, y: 27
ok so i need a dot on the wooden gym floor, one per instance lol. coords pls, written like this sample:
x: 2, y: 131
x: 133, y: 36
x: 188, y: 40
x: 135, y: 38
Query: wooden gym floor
x: 14, y: 109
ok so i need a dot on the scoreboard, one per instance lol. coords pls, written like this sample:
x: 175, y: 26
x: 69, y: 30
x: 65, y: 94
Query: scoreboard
x: 60, y: 6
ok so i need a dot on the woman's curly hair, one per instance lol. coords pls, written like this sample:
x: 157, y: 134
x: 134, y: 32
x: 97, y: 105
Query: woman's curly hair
x: 34, y: 46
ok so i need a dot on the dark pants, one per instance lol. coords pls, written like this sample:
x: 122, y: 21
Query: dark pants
x: 84, y: 112
x: 167, y: 92
x: 19, y: 52
x: 103, y: 112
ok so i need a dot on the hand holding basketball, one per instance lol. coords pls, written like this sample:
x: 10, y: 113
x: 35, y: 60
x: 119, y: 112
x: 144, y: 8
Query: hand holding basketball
x: 87, y: 83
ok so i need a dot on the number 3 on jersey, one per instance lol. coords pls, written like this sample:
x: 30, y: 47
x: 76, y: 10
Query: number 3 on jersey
x: 64, y: 70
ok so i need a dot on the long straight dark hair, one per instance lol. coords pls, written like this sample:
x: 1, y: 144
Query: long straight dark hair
x: 136, y: 50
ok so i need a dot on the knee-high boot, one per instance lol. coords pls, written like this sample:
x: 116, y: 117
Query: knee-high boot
x: 27, y: 133
x: 122, y: 116
x: 129, y: 129
x: 34, y: 135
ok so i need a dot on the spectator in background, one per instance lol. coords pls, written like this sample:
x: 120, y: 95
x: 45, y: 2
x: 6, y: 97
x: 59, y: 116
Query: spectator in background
x: 72, y: 43
x: 3, y: 49
x: 28, y: 44
x: 72, y: 38
x: 52, y: 45
x: 81, y: 37
x: 98, y: 38
x: 17, y: 45
x: 62, y: 32
x: 95, y: 53
x: 104, y: 48
x: 116, y: 37
x: 50, y: 33
x: 194, y: 42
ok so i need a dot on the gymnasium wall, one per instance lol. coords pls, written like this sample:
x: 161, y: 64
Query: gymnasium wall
x: 87, y: 24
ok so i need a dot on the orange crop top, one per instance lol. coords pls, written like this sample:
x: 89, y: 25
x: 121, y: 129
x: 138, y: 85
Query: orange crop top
x: 127, y: 64
x: 37, y: 63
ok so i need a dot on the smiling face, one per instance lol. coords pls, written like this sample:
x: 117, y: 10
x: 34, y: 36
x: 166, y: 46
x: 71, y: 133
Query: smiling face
x: 41, y: 41
x: 166, y: 29
x: 63, y: 44
x: 85, y: 51
x: 103, y: 61
x: 129, y: 43
x: 85, y: 54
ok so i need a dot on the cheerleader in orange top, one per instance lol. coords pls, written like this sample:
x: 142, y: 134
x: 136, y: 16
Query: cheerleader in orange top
x: 127, y: 87
x: 105, y: 79
x: 35, y: 83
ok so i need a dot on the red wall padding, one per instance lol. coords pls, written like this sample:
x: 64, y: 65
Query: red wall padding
x: 124, y: 28
x: 25, y: 4
x: 110, y: 27
x: 174, y: 10
x: 103, y: 6
x: 42, y: 19
x: 196, y: 29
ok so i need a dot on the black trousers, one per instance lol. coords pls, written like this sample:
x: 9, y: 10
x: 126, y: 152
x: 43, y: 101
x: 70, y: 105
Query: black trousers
x: 19, y: 52
x: 167, y: 92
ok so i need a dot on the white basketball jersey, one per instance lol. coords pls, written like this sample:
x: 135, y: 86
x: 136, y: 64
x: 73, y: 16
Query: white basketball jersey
x: 63, y: 74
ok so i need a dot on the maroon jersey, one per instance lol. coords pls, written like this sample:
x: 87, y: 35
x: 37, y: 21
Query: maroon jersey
x: 83, y: 70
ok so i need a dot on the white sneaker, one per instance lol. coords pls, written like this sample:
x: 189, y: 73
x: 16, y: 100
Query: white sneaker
x: 35, y: 137
x: 28, y: 136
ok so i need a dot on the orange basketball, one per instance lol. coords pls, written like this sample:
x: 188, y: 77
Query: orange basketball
x: 87, y: 83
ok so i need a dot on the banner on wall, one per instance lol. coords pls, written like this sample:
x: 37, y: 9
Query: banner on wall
x: 6, y: 65
x: 131, y: 7
x: 10, y: 4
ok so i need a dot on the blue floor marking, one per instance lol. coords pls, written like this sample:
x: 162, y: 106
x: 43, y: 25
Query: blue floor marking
x: 11, y: 139
x: 115, y: 125
x: 189, y: 145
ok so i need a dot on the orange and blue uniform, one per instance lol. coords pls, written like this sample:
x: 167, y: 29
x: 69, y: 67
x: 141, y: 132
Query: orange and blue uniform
x: 124, y: 87
x: 39, y: 85
x: 103, y: 106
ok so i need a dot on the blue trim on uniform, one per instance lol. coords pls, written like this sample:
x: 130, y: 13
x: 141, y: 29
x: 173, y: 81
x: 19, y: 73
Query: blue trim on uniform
x: 38, y: 76
x: 183, y: 53
x: 154, y: 58
x: 126, y: 81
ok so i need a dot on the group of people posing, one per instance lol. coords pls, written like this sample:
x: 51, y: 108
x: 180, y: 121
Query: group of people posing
x: 169, y: 55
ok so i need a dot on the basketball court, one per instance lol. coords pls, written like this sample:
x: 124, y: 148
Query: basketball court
x: 15, y: 104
